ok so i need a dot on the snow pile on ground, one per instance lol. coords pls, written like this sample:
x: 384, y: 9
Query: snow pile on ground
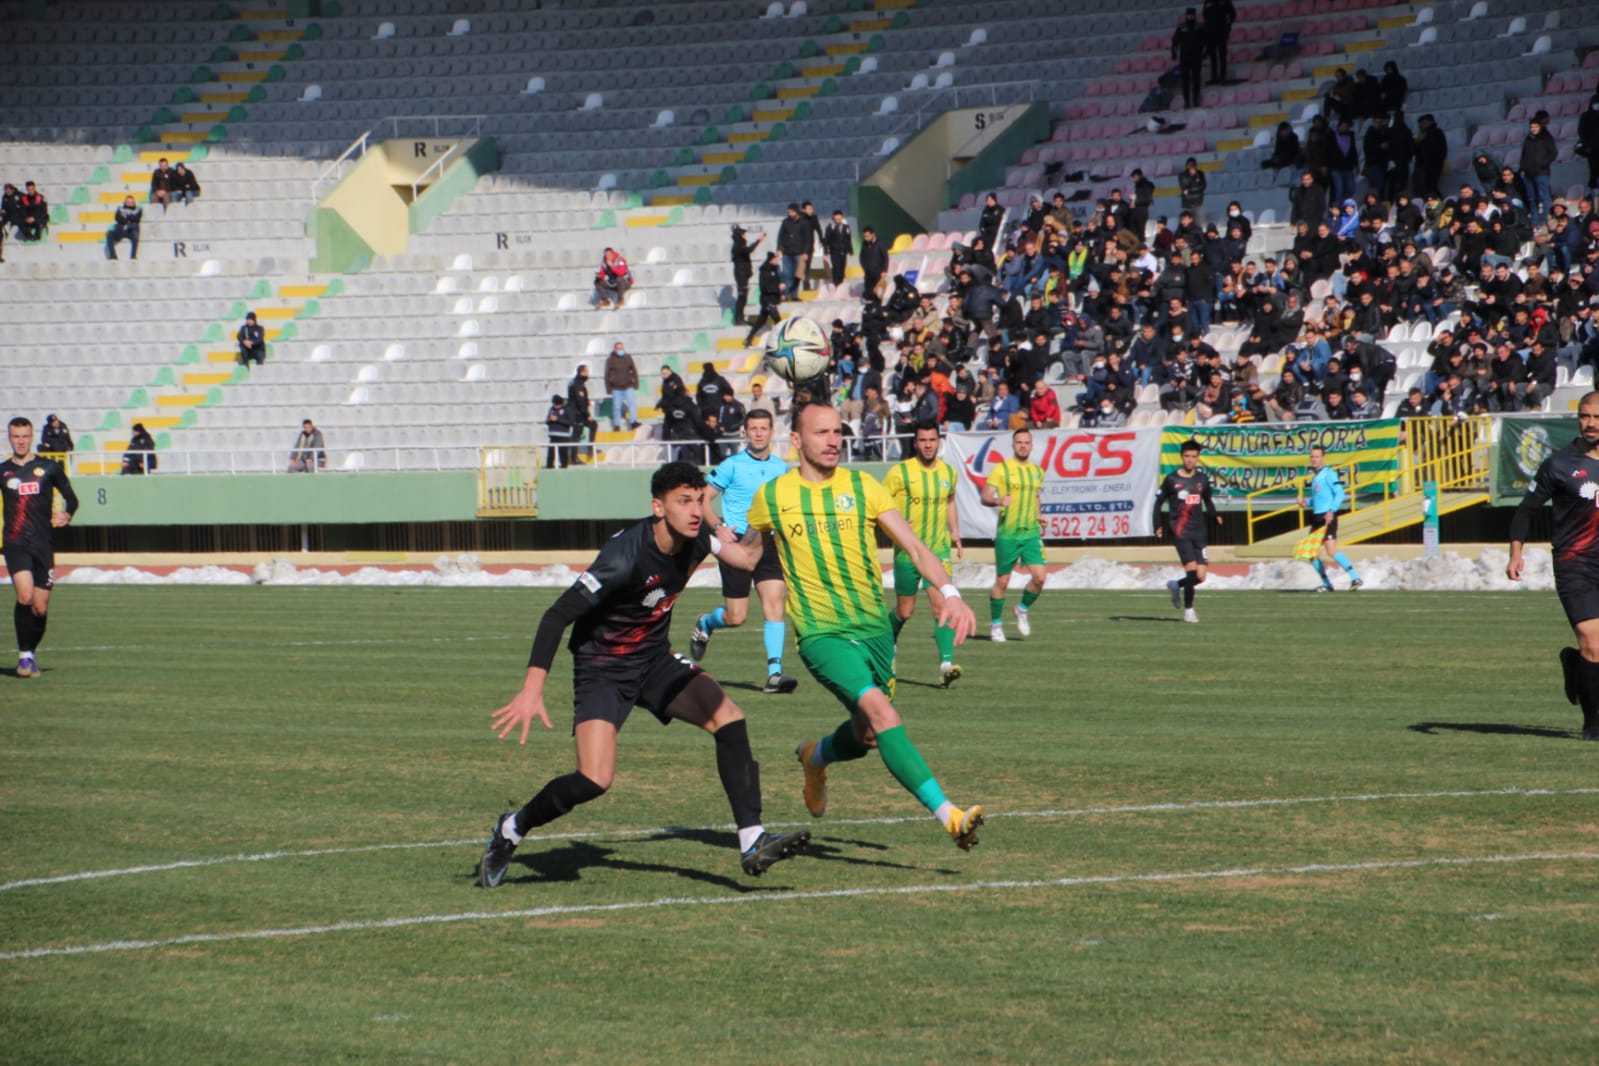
x: 1448, y: 572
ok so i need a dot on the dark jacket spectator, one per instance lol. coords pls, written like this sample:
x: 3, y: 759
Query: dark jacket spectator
x: 163, y: 184
x: 140, y: 456
x: 560, y: 431
x: 33, y: 213
x: 55, y: 438
x: 252, y: 341
x: 126, y: 228
x: 309, y: 453
x: 710, y: 391
x: 187, y: 187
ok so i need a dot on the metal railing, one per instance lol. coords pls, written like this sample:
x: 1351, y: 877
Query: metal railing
x: 394, y: 458
x: 1452, y: 452
x: 334, y: 171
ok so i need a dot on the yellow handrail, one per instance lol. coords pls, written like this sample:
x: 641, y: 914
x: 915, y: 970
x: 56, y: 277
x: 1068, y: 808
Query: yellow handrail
x: 1453, y: 452
x: 508, y: 482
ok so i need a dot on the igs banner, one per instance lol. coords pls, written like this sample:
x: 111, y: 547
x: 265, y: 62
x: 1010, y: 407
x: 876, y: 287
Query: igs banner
x: 1099, y: 484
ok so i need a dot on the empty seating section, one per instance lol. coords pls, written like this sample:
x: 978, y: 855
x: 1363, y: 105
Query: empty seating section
x: 645, y: 127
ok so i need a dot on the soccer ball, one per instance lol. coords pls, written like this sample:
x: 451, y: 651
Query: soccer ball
x: 797, y: 350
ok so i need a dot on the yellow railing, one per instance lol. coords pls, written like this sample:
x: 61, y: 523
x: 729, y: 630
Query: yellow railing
x: 1454, y: 452
x: 508, y: 482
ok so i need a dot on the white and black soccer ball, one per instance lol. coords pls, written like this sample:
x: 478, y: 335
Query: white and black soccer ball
x: 797, y: 350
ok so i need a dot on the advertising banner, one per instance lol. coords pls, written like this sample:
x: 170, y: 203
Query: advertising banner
x: 1247, y: 458
x: 1099, y: 484
x: 1524, y: 443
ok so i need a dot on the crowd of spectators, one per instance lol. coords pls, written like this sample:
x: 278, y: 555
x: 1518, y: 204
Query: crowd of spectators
x: 1500, y: 276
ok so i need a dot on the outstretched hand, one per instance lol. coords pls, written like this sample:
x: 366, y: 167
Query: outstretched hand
x: 525, y: 706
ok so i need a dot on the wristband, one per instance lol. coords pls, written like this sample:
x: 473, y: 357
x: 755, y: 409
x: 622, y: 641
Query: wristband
x: 949, y: 592
x: 716, y: 544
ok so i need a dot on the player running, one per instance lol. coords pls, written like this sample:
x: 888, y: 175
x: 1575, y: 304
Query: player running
x: 1186, y: 490
x: 621, y: 611
x: 1570, y: 477
x: 1016, y: 487
x: 1326, y: 500
x: 826, y: 521
x: 28, y: 484
x: 923, y: 489
x: 738, y: 479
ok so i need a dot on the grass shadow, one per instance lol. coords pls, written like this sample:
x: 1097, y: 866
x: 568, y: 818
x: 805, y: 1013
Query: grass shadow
x: 1493, y: 729
x: 567, y: 863
x: 1144, y: 618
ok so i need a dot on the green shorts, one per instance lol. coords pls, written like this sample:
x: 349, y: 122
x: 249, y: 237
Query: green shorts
x: 908, y: 581
x: 1009, y: 551
x: 849, y: 668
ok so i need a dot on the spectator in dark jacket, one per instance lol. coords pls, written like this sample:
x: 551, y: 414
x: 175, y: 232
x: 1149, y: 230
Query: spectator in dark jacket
x: 874, y: 259
x: 578, y: 409
x: 126, y: 228
x: 771, y: 284
x: 140, y: 456
x: 1191, y: 184
x: 252, y: 341
x: 708, y: 394
x: 1588, y: 142
x: 1432, y: 154
x: 55, y: 438
x: 163, y: 180
x: 1308, y: 202
x: 840, y: 245
x: 1538, y: 155
x: 559, y: 431
x: 794, y: 239
x: 186, y: 187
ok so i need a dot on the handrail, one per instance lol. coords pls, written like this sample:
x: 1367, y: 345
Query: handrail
x: 421, y: 179
x: 1431, y: 450
x: 338, y: 164
x: 393, y: 121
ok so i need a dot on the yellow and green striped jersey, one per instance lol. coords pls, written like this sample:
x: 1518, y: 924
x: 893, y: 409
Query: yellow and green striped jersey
x: 826, y: 534
x: 924, y: 495
x: 1021, y: 481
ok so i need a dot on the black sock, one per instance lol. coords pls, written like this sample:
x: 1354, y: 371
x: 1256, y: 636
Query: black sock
x: 22, y: 615
x: 1588, y: 692
x: 556, y: 798
x: 1189, y: 583
x: 741, y: 774
x: 40, y: 621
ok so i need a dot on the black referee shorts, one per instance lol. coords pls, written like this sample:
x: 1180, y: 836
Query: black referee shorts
x: 1578, y: 589
x: 736, y: 583
x: 608, y: 689
x: 31, y: 559
x: 1330, y: 520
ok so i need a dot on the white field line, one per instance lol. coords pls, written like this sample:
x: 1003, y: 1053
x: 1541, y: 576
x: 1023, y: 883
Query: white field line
x: 1307, y: 870
x: 611, y: 834
x: 268, y: 645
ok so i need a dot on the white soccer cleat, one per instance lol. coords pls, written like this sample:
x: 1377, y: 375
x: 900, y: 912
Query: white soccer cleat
x: 1189, y: 615
x: 1176, y: 589
x: 1023, y: 626
x: 996, y: 633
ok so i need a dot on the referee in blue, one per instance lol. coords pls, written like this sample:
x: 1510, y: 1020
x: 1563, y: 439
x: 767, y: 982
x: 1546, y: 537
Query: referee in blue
x: 1326, y: 500
x: 737, y: 480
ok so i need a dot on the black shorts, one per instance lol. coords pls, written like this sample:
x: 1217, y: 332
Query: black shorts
x: 1192, y: 550
x: 31, y: 559
x: 1329, y: 520
x: 736, y: 583
x: 1578, y: 589
x: 609, y: 689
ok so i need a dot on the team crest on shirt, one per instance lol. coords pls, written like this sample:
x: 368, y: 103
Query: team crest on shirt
x: 844, y: 502
x: 1589, y: 491
x: 943, y: 484
x: 655, y: 597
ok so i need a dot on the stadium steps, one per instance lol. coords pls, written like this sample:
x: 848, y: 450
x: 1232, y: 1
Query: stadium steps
x: 198, y: 115
x: 1365, y: 523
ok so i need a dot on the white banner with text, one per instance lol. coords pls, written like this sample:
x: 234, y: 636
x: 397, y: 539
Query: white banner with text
x: 1099, y: 484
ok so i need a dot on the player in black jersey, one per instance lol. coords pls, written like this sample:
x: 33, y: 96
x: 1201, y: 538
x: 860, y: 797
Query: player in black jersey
x: 1570, y: 477
x: 1186, y: 490
x: 28, y: 483
x: 620, y: 611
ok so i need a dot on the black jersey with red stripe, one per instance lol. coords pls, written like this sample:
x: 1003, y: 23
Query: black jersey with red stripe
x: 630, y: 588
x: 1569, y: 477
x: 29, y: 489
x: 1189, y: 498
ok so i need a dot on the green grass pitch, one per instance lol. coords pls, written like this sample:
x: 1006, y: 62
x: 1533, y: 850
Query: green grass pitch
x: 1348, y: 828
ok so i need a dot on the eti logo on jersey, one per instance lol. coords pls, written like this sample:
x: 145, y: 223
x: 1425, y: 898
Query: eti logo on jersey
x: 27, y: 488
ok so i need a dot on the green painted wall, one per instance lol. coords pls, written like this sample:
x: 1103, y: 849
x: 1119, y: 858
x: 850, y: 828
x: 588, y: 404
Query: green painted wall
x: 203, y: 500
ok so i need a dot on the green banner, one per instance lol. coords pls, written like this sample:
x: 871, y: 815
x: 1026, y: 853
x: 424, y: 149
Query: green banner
x: 1524, y: 443
x: 1248, y: 458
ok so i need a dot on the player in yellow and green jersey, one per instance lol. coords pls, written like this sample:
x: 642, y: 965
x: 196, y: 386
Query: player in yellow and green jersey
x: 923, y: 489
x: 1015, y: 487
x: 825, y: 520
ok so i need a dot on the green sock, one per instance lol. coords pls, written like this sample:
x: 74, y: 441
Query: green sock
x: 842, y: 745
x: 908, y: 767
x: 944, y: 637
x: 899, y: 624
x: 996, y: 609
x: 1029, y: 597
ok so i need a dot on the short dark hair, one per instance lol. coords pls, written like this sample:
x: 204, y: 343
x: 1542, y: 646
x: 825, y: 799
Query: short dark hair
x: 1019, y: 430
x: 760, y: 413
x: 1191, y: 445
x: 926, y: 426
x: 19, y: 423
x: 676, y: 476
